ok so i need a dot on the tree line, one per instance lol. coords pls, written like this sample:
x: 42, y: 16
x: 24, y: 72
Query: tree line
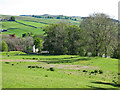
x: 98, y: 34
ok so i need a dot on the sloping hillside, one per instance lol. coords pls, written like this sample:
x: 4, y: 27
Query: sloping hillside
x: 25, y: 24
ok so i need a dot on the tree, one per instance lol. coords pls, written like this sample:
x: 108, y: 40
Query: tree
x: 74, y: 39
x: 18, y: 44
x: 100, y: 33
x: 62, y: 38
x: 12, y: 18
x: 29, y: 34
x: 4, y: 46
x: 56, y: 38
x: 51, y: 39
x: 28, y: 49
x: 11, y: 44
x: 58, y: 17
x: 116, y: 53
x: 27, y: 43
x: 38, y: 42
x: 75, y: 19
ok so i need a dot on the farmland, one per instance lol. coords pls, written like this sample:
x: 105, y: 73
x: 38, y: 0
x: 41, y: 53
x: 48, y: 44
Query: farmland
x: 29, y: 24
x: 59, y: 52
x: 70, y: 71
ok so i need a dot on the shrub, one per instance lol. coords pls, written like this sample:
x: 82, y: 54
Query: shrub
x: 92, y: 72
x: 70, y: 61
x: 28, y: 49
x: 12, y: 64
x: 118, y: 73
x: 33, y: 58
x: 96, y: 71
x: 46, y: 75
x: 84, y: 70
x: 48, y: 69
x: 33, y: 66
x: 62, y: 62
x: 100, y: 71
x: 37, y: 66
x: 4, y: 46
x: 7, y: 62
x: 52, y: 69
x: 29, y: 66
x: 81, y: 52
x: 40, y: 67
x: 12, y: 18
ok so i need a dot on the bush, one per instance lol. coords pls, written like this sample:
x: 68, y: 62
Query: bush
x: 29, y: 49
x: 96, y: 71
x: 118, y: 73
x: 4, y: 46
x: 81, y: 52
x: 18, y: 44
x: 92, y: 72
x: 48, y: 69
x: 29, y: 66
x: 7, y: 62
x: 33, y: 58
x: 84, y: 70
x: 100, y: 71
x: 37, y: 66
x: 12, y: 18
x: 33, y: 66
x: 46, y: 75
x: 52, y: 69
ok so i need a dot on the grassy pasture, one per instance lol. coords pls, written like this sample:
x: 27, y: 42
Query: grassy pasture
x: 71, y: 71
x: 46, y: 20
x: 19, y: 29
x: 38, y: 25
x: 29, y: 24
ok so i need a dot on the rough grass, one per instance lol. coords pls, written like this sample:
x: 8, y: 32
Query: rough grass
x: 18, y: 75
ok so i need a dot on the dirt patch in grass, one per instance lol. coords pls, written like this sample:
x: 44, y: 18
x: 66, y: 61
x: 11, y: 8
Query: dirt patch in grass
x: 59, y: 66
x: 76, y: 67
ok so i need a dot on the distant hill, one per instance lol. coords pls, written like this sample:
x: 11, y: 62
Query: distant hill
x: 32, y: 23
x: 35, y: 23
x: 74, y: 18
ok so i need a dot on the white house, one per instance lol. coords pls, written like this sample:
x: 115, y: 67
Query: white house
x: 35, y: 50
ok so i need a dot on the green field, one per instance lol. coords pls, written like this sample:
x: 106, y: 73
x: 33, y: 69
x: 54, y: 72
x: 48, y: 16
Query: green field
x: 19, y: 29
x: 21, y: 70
x: 26, y: 24
x: 70, y: 71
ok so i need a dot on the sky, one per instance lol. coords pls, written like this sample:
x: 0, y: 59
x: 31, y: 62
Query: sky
x: 81, y: 8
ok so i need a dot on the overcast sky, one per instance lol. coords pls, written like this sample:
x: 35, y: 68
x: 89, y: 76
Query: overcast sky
x: 59, y: 7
